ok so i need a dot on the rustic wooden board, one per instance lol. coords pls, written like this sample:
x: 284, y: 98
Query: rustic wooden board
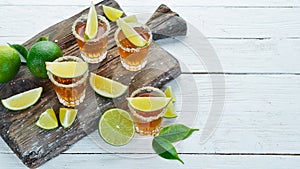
x: 35, y: 146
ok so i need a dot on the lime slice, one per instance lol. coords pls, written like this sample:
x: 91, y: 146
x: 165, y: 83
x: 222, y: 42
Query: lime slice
x: 148, y: 104
x: 67, y: 69
x: 47, y: 120
x: 107, y: 87
x: 112, y: 13
x: 130, y: 18
x: 171, y: 112
x: 67, y: 116
x: 116, y: 127
x: 131, y: 34
x: 169, y: 93
x: 92, y: 23
x: 23, y: 100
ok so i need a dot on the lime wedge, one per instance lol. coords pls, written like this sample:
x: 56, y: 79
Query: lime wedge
x: 148, y: 104
x: 67, y: 69
x: 130, y: 18
x: 23, y: 100
x: 47, y: 120
x: 111, y: 13
x: 169, y: 93
x: 67, y: 116
x: 131, y: 34
x: 171, y: 112
x: 116, y: 127
x: 107, y: 87
x: 92, y: 23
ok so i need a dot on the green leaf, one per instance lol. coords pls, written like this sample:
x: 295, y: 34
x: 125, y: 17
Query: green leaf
x: 43, y: 38
x: 165, y: 149
x: 23, y: 52
x: 176, y: 132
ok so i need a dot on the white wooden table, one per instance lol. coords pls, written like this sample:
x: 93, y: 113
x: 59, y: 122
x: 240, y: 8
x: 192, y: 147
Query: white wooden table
x: 258, y: 45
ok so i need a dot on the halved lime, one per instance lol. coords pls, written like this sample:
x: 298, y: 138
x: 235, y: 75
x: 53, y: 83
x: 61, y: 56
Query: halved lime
x: 148, y: 104
x: 92, y: 23
x: 116, y: 127
x: 67, y: 116
x: 171, y: 112
x: 23, y: 100
x: 169, y: 93
x: 112, y: 13
x: 131, y: 34
x: 67, y: 69
x: 107, y: 87
x: 47, y: 120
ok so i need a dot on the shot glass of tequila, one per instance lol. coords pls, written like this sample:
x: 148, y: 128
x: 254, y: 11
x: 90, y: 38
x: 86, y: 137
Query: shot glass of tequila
x: 92, y: 50
x: 147, y: 123
x: 70, y: 91
x: 133, y: 58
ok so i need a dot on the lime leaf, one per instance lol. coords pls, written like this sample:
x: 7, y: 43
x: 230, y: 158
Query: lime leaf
x: 92, y: 22
x: 176, y: 132
x: 165, y: 149
x: 43, y: 38
x: 23, y: 52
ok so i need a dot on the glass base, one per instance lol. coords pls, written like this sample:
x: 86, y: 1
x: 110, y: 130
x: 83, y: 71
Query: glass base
x: 72, y: 103
x: 135, y: 67
x: 147, y: 133
x: 95, y: 59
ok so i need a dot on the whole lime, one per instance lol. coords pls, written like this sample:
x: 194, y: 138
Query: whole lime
x: 10, y: 63
x: 41, y: 52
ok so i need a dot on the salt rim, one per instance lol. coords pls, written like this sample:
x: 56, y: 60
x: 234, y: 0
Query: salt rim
x: 77, y: 59
x: 145, y: 27
x: 84, y: 18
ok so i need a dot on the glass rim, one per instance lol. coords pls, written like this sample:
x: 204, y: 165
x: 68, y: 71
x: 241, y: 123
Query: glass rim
x: 77, y: 59
x: 84, y: 16
x: 145, y: 27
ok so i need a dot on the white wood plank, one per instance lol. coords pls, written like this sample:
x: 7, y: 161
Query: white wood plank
x: 239, y: 23
x: 260, y: 116
x: 272, y: 3
x: 136, y: 161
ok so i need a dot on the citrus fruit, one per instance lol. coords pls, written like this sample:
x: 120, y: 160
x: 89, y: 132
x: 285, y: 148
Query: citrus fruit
x: 67, y: 116
x: 9, y: 63
x: 67, y: 69
x: 130, y: 18
x: 23, y: 100
x: 92, y: 23
x: 47, y: 120
x: 169, y: 93
x: 170, y: 112
x: 107, y: 87
x: 112, y: 13
x: 131, y: 34
x: 148, y: 104
x: 40, y: 53
x: 116, y: 127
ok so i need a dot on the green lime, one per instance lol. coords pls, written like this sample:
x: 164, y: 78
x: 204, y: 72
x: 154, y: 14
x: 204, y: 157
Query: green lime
x: 171, y: 112
x: 67, y: 116
x: 40, y: 53
x: 23, y: 100
x: 10, y: 63
x: 92, y: 23
x: 112, y: 13
x: 116, y: 127
x: 148, y: 104
x: 169, y: 93
x: 47, y: 120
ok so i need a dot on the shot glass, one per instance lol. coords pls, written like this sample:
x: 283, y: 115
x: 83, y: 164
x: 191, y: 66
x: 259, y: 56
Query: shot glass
x: 93, y: 50
x: 70, y: 91
x: 147, y: 123
x: 133, y: 58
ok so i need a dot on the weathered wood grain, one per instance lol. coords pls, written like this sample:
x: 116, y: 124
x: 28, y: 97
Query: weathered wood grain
x: 35, y: 146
